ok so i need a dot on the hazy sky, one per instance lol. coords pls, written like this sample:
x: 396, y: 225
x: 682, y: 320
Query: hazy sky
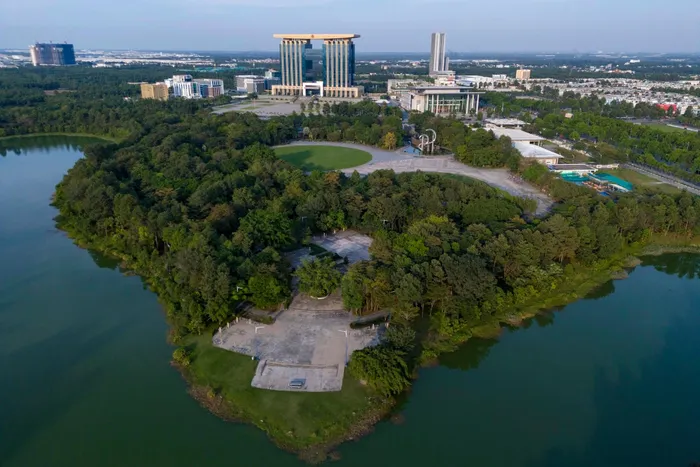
x: 385, y: 25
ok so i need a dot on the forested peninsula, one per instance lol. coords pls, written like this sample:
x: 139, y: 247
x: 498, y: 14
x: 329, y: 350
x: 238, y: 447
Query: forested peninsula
x: 200, y: 206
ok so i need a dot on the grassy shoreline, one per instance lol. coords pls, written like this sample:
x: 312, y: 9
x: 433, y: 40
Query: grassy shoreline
x: 580, y: 286
x: 78, y: 135
x: 308, y: 424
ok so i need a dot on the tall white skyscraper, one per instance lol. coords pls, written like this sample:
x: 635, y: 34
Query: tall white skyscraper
x: 438, y: 62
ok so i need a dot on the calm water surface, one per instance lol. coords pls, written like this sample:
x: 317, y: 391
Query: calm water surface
x: 85, y: 381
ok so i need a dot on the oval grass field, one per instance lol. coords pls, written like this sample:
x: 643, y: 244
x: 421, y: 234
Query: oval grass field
x: 314, y: 157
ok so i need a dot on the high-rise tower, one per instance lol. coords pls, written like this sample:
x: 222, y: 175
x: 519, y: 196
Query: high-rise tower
x: 438, y: 62
x: 52, y: 54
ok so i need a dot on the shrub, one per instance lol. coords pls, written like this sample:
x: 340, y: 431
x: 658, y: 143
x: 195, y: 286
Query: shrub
x: 181, y: 356
x: 318, y: 277
x: 382, y: 368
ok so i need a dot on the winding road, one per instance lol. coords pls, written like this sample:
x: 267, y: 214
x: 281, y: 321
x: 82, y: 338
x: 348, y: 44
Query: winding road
x: 399, y: 161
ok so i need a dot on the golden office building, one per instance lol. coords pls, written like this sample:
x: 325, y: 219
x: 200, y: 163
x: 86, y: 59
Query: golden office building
x: 523, y: 75
x: 157, y: 91
x: 337, y: 68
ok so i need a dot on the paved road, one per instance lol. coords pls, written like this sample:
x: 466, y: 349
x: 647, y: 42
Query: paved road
x: 497, y: 178
x: 401, y: 162
x: 663, y: 177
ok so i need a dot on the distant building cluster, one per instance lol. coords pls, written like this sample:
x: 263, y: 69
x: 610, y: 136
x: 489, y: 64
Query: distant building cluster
x: 183, y: 86
x: 201, y: 88
x: 52, y: 54
x: 664, y: 94
x: 443, y: 94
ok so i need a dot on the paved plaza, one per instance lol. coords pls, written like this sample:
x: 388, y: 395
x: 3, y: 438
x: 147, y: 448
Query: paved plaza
x: 345, y: 243
x: 312, y: 341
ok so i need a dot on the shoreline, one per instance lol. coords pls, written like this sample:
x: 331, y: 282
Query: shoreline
x: 313, y: 454
x: 68, y: 135
x: 224, y: 408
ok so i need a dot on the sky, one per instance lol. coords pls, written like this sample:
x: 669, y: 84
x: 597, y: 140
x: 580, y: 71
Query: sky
x: 385, y: 25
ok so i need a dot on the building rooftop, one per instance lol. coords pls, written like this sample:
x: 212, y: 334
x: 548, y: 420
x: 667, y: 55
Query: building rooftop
x: 443, y: 89
x: 505, y: 121
x: 579, y: 167
x: 319, y: 37
x: 515, y: 135
x: 536, y: 152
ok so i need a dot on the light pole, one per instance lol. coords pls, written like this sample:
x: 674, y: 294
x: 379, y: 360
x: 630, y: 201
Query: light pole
x: 344, y: 331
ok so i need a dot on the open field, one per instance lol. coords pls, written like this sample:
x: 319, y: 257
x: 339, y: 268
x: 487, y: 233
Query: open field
x: 295, y: 420
x: 664, y: 127
x: 320, y: 157
x: 640, y: 180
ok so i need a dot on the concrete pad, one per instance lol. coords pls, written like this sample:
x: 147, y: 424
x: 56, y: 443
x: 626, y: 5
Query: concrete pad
x: 311, y: 340
x: 348, y: 243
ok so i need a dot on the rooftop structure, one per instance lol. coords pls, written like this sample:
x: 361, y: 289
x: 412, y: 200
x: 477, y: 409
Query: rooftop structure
x: 338, y: 66
x: 540, y: 154
x: 316, y: 37
x: 505, y: 122
x: 517, y: 135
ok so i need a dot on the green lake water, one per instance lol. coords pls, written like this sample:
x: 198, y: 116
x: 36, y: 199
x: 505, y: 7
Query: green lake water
x: 85, y: 380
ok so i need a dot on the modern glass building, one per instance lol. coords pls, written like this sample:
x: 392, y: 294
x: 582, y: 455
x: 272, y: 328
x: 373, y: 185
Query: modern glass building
x: 52, y: 54
x: 338, y: 63
x: 298, y: 58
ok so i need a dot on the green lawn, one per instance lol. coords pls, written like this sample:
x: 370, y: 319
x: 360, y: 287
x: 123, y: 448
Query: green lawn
x: 323, y: 157
x: 293, y: 420
x: 641, y: 180
x: 664, y: 127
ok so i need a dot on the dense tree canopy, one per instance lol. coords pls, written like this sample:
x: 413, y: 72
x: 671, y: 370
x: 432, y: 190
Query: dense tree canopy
x: 201, y: 207
x: 318, y: 277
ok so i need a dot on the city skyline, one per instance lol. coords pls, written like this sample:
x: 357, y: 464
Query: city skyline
x: 506, y: 26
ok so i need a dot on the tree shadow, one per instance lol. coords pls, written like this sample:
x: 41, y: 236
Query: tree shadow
x: 684, y: 266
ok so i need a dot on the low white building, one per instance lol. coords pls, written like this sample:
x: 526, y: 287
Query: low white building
x: 440, y: 100
x: 505, y: 122
x: 516, y: 135
x: 538, y: 153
